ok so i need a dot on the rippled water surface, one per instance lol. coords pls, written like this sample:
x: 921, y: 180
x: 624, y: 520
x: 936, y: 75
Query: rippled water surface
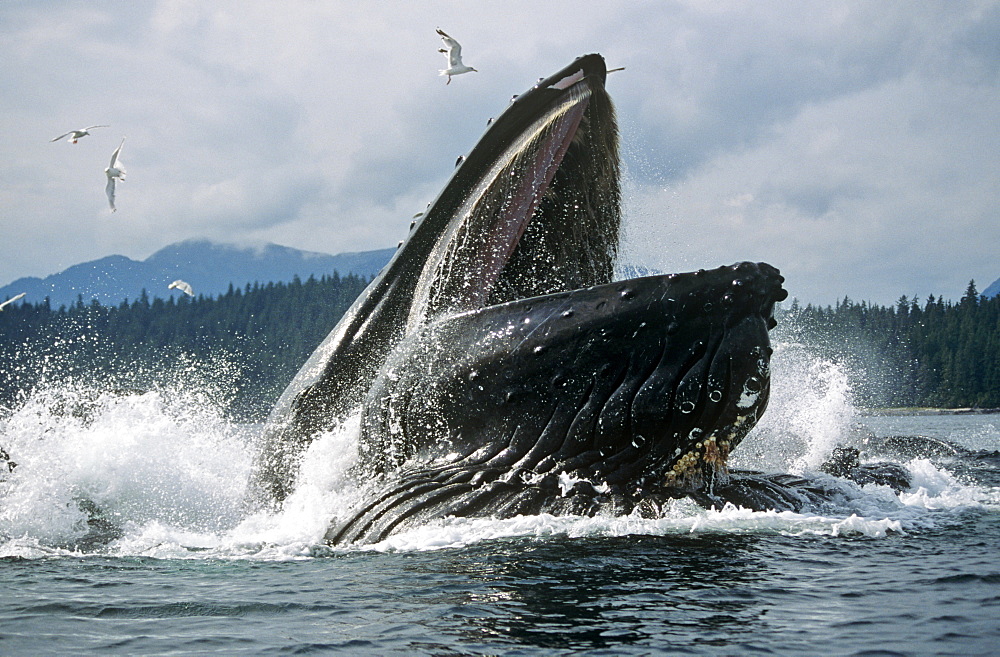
x: 179, y: 567
x: 711, y: 593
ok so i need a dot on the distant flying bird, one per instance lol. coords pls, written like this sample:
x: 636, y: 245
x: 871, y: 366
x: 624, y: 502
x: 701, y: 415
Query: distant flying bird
x: 454, y: 54
x: 11, y: 300
x: 182, y: 286
x: 78, y: 134
x: 113, y: 172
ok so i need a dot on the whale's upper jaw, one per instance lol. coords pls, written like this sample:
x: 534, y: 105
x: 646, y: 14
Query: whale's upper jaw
x: 533, y: 209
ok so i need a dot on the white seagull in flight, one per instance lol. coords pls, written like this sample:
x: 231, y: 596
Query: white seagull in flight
x: 11, y: 300
x: 454, y: 54
x: 113, y: 172
x: 78, y: 134
x: 182, y: 286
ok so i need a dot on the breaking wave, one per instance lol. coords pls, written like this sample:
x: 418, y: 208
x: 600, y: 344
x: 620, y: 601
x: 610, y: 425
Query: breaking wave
x: 163, y: 473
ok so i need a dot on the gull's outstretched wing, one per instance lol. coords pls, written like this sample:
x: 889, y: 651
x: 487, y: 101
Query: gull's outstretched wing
x: 114, y: 156
x: 11, y: 300
x: 454, y: 49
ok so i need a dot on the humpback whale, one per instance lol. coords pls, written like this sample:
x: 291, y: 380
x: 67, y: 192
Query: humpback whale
x: 497, y: 368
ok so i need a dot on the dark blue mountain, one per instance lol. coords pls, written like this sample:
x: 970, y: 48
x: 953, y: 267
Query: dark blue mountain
x: 209, y: 267
x: 993, y: 290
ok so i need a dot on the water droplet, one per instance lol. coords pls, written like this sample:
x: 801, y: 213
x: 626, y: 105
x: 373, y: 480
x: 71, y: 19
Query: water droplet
x: 715, y: 395
x: 687, y: 407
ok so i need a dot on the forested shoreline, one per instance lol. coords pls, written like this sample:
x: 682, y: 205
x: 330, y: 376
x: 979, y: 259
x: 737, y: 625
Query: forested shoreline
x: 243, y: 346
x: 937, y: 353
x: 247, y: 344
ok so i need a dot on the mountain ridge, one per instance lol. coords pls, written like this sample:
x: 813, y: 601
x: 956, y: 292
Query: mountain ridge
x: 992, y: 290
x: 210, y: 268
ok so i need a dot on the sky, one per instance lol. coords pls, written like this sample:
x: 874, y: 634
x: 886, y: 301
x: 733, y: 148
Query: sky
x: 853, y: 145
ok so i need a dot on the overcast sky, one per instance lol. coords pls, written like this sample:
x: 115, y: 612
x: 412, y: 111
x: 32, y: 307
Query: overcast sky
x: 854, y: 145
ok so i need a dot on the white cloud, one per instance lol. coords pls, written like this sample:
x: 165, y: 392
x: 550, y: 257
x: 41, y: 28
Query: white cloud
x: 847, y: 200
x: 851, y: 144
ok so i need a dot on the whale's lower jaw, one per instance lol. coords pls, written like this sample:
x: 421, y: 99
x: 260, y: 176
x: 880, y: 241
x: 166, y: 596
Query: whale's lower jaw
x: 598, y: 400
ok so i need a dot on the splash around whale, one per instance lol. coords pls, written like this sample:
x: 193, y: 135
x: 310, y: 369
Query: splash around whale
x: 496, y: 368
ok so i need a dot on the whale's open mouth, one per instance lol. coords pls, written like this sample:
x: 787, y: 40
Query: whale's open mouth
x: 493, y: 358
x: 527, y: 224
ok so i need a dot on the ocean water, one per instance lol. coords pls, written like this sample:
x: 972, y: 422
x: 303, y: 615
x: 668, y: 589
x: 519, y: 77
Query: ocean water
x: 178, y: 565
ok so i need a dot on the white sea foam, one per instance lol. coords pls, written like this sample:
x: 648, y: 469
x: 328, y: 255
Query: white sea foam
x: 459, y: 532
x: 168, y: 472
x: 137, y: 458
x: 934, y: 488
x: 874, y: 511
x: 810, y: 412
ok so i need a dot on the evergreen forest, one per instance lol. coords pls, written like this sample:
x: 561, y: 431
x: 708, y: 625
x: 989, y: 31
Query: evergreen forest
x: 937, y: 353
x: 244, y: 346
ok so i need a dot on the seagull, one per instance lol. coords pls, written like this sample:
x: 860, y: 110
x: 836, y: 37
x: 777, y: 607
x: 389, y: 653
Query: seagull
x: 182, y: 286
x: 454, y: 53
x: 78, y: 134
x: 11, y: 300
x: 114, y: 171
